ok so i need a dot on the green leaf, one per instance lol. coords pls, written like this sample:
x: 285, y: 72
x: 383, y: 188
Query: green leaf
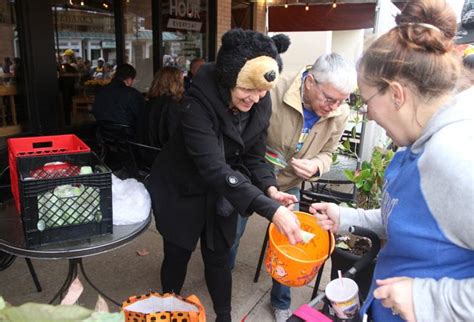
x: 342, y: 245
x: 347, y: 145
x: 349, y: 175
x: 44, y: 313
x: 367, y: 186
x: 364, y: 174
x: 365, y: 165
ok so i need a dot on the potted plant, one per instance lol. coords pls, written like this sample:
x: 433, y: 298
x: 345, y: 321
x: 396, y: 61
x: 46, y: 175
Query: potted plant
x: 368, y: 181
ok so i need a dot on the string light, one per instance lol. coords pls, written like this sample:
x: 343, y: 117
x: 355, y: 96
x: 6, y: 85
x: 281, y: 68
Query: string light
x: 334, y: 4
x: 307, y: 7
x: 286, y: 4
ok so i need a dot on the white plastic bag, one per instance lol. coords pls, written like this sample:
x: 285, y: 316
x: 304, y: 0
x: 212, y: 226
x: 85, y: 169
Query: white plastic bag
x: 131, y: 202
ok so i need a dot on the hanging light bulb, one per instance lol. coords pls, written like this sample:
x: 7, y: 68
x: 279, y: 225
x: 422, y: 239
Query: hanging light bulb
x: 105, y: 5
x: 307, y: 7
x: 82, y: 3
x: 286, y: 4
x: 334, y: 4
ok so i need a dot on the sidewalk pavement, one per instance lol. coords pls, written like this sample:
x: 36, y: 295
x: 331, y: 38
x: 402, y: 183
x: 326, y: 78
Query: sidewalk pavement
x: 123, y: 272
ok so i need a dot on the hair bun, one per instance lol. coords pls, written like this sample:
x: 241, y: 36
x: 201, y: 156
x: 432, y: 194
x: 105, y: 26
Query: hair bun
x: 428, y: 24
x: 418, y: 35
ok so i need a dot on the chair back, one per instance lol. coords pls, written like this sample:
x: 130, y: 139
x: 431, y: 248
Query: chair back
x: 112, y: 139
x: 142, y: 156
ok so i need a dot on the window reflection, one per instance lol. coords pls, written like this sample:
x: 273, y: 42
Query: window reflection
x: 85, y: 52
x: 139, y: 41
x: 185, y: 32
x: 13, y: 112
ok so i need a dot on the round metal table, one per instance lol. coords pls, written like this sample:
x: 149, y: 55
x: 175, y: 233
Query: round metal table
x: 12, y: 241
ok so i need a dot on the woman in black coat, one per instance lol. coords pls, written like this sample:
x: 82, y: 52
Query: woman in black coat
x: 213, y: 167
x: 163, y: 104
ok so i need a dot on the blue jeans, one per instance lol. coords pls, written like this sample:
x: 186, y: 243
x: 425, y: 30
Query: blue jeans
x: 280, y: 295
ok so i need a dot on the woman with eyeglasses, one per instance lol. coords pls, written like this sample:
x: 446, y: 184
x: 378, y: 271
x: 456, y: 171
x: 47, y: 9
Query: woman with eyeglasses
x: 408, y: 79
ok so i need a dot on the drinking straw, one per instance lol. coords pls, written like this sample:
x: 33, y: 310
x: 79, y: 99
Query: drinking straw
x: 339, y: 273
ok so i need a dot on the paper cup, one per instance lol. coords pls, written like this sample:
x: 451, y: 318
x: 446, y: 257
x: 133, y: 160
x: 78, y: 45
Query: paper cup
x: 344, y: 297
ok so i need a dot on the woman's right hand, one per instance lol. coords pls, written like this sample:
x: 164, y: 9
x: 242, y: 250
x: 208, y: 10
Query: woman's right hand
x: 287, y: 223
x: 327, y: 214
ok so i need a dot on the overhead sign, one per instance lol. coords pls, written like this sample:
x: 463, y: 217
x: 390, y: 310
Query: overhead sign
x: 185, y: 8
x: 184, y: 24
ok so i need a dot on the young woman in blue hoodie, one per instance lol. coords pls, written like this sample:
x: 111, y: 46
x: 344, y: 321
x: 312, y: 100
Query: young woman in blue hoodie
x: 407, y: 79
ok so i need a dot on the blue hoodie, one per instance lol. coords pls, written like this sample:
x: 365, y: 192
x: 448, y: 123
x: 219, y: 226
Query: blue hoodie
x: 427, y: 216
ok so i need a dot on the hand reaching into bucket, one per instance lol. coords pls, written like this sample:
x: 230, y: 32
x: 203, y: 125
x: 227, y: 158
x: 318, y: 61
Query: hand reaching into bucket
x: 283, y: 198
x: 327, y: 214
x: 287, y: 223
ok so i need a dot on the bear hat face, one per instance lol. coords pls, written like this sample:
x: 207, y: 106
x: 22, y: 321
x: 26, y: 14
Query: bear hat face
x: 249, y: 59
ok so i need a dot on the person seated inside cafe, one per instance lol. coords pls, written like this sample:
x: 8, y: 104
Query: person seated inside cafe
x: 119, y: 102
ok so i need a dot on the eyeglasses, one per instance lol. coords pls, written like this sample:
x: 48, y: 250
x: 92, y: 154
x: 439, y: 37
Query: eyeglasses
x: 328, y: 100
x: 365, y: 106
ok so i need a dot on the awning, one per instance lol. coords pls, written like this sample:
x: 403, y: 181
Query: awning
x: 346, y: 16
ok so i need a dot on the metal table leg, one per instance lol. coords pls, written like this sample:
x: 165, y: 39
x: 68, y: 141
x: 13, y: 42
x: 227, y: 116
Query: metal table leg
x: 74, y: 265
x: 93, y: 285
x: 33, y: 274
x: 71, y: 275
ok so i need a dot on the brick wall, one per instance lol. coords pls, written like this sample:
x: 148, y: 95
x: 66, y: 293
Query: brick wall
x: 224, y: 8
x: 6, y: 45
x: 259, y: 17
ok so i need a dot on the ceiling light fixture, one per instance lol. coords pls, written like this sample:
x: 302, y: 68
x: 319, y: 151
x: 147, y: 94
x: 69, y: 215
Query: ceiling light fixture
x: 307, y: 7
x: 334, y: 4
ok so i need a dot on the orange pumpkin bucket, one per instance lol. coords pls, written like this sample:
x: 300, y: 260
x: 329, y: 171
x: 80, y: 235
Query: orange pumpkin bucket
x: 297, y: 265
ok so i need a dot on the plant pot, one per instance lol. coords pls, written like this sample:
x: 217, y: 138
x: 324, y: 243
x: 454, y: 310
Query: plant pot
x: 343, y: 260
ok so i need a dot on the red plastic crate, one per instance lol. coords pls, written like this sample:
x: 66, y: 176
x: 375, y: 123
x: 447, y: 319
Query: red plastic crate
x: 39, y: 145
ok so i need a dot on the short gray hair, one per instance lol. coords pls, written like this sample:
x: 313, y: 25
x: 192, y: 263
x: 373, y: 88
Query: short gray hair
x: 335, y: 70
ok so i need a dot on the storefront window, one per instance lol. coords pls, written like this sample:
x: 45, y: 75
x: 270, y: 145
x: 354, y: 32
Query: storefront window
x: 13, y: 111
x: 85, y: 51
x: 139, y: 40
x: 185, y: 32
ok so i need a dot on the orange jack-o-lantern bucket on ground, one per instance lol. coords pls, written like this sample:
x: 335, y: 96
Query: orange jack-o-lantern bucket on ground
x: 164, y: 308
x: 297, y: 265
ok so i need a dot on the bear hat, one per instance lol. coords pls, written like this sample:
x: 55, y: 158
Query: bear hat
x: 249, y: 59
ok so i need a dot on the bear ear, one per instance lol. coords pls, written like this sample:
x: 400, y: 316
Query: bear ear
x: 233, y: 37
x: 282, y: 42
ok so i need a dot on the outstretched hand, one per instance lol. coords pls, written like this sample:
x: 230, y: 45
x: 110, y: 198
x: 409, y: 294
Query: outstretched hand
x: 304, y: 168
x: 327, y: 215
x: 396, y: 293
x: 288, y: 224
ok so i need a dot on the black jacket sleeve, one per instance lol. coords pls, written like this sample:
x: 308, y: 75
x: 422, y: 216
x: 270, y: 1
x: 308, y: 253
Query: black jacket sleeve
x: 200, y: 128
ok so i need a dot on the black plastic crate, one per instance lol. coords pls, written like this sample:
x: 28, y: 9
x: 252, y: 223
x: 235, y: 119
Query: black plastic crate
x: 52, y: 212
